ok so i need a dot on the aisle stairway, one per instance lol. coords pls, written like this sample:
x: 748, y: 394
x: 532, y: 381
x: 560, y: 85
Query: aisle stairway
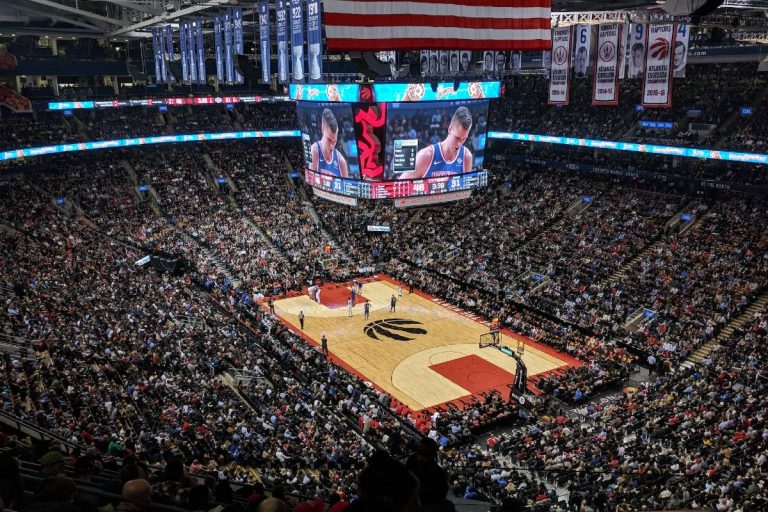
x: 744, y: 318
x: 210, y: 257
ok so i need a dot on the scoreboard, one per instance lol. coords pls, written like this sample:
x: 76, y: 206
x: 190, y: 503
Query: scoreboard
x: 398, y: 188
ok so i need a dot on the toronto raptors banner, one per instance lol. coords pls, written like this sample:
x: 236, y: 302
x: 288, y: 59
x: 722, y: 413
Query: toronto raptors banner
x: 657, y: 83
x: 183, y: 52
x: 297, y: 40
x: 266, y: 54
x: 680, y: 52
x: 218, y: 41
x: 561, y: 66
x: 237, y: 34
x: 314, y: 40
x: 281, y: 12
x: 606, y: 83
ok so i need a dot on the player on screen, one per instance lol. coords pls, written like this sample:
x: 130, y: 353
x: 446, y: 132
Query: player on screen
x: 448, y: 157
x: 326, y: 159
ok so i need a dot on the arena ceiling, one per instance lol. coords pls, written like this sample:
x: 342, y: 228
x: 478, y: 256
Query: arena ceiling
x: 132, y: 18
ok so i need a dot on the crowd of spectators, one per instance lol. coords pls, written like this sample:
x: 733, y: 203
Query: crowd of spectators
x: 130, y: 361
x: 35, y: 129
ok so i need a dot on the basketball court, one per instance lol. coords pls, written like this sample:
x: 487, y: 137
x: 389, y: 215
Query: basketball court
x: 424, y: 354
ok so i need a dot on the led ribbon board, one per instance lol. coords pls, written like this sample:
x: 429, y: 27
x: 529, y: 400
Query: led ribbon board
x: 654, y: 149
x: 141, y: 141
x: 443, y: 92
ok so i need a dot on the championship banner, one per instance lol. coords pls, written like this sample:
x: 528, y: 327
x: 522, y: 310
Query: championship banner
x: 191, y: 53
x: 605, y: 90
x: 561, y: 66
x: 657, y: 84
x: 636, y: 51
x: 169, y: 51
x: 297, y: 41
x: 281, y: 11
x: 581, y: 55
x: 424, y: 62
x: 266, y: 54
x: 680, y: 53
x: 237, y: 22
x: 183, y: 52
x: 314, y: 40
x: 229, y: 69
x: 217, y: 45
x: 156, y: 52
x: 200, y: 52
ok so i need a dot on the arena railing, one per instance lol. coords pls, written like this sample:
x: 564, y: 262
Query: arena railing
x: 35, y: 432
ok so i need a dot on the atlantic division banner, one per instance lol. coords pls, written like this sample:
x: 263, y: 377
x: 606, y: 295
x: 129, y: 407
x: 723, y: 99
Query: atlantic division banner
x: 264, y: 43
x: 237, y: 34
x: 183, y: 52
x: 657, y: 83
x: 680, y: 51
x: 218, y: 25
x: 561, y: 66
x: 281, y: 11
x: 606, y: 83
x: 314, y: 40
x: 200, y: 52
x: 297, y: 40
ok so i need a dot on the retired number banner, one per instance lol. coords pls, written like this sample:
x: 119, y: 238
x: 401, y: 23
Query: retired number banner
x: 237, y: 34
x: 657, y: 79
x: 605, y: 90
x: 561, y: 66
x: 680, y: 51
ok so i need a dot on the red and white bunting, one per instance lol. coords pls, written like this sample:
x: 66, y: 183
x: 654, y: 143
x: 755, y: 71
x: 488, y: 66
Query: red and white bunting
x: 657, y: 79
x: 605, y: 89
x: 560, y: 71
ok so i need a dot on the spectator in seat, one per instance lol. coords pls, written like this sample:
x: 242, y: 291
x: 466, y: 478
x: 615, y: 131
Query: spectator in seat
x: 137, y: 496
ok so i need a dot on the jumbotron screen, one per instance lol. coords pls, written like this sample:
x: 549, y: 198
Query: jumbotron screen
x: 413, y: 146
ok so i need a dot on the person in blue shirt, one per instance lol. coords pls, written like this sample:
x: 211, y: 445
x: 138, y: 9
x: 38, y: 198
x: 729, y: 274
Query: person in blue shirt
x: 326, y: 159
x: 449, y: 156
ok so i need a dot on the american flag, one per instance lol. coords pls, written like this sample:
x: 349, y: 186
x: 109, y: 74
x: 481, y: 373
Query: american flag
x: 373, y: 25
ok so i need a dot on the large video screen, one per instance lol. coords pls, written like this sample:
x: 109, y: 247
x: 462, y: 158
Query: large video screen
x: 427, y: 140
x: 328, y: 138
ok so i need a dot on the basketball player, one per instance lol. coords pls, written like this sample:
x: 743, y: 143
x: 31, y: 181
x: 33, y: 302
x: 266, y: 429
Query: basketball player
x: 449, y: 157
x: 326, y: 159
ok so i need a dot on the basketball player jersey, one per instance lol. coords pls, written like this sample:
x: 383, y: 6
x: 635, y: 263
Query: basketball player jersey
x: 331, y: 168
x: 440, y: 167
